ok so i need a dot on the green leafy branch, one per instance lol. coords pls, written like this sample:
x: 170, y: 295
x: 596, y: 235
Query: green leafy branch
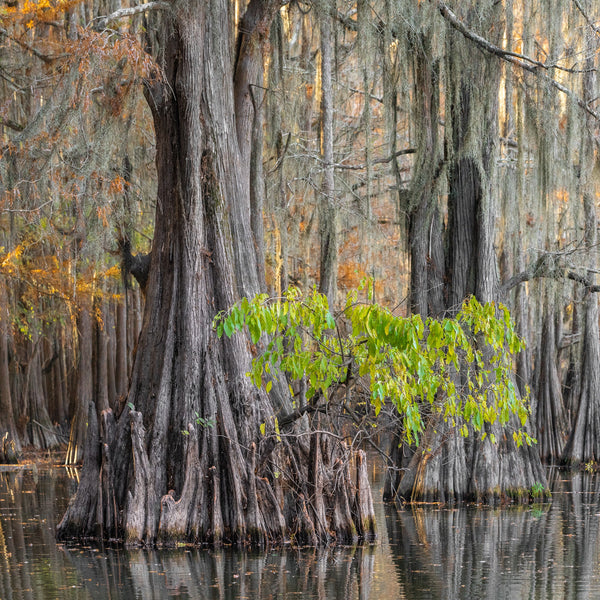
x: 407, y: 361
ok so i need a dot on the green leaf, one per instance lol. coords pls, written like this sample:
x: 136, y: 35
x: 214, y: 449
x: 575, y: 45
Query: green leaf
x: 228, y: 328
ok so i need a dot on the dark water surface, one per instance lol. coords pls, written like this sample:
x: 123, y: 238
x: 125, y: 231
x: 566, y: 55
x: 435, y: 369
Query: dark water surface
x: 536, y: 552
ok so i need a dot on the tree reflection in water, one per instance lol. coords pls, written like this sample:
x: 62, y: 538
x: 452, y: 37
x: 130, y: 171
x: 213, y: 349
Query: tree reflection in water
x: 540, y: 551
x: 537, y: 552
x: 224, y: 574
x: 34, y: 566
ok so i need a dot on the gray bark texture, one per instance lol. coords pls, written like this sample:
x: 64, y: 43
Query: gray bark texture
x: 584, y: 442
x: 447, y: 467
x: 162, y: 475
x: 10, y: 444
x: 327, y: 205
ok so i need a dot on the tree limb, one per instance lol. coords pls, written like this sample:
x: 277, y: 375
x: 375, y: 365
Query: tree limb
x: 123, y: 13
x: 587, y: 17
x: 43, y: 57
x: 138, y: 265
x: 11, y: 124
x: 520, y: 60
x: 545, y: 266
x: 293, y: 416
x: 377, y: 161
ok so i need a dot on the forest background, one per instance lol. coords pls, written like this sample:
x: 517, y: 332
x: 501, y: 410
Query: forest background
x: 440, y: 150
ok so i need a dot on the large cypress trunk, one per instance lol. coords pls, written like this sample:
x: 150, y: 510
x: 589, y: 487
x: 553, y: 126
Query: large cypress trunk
x: 584, y: 442
x: 185, y: 461
x: 447, y: 467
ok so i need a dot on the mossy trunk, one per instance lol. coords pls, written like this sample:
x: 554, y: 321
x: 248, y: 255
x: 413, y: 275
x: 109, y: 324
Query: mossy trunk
x: 185, y: 462
x: 584, y: 442
x: 447, y: 467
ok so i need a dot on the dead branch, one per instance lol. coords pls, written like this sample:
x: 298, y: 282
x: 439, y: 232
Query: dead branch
x: 587, y: 17
x: 377, y: 161
x: 11, y: 124
x: 546, y: 266
x: 43, y: 57
x: 123, y: 13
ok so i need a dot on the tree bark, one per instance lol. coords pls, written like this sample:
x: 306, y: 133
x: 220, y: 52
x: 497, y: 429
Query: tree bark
x: 447, y: 467
x: 551, y: 417
x: 185, y: 461
x: 37, y: 428
x: 584, y: 442
x: 121, y: 362
x: 426, y: 274
x: 84, y: 391
x: 10, y: 443
x: 100, y: 356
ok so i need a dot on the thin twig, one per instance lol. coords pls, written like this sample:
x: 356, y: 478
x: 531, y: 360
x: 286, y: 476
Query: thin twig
x: 43, y: 57
x: 377, y: 161
x: 587, y: 17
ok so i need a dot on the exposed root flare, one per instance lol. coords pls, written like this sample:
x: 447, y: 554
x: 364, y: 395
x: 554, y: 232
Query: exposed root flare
x: 328, y: 500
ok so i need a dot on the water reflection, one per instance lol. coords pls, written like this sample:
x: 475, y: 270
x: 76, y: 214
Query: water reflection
x: 538, y: 552
x: 224, y: 574
x: 541, y: 552
x: 32, y: 566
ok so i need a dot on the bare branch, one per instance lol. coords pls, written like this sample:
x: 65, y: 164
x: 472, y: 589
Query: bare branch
x: 123, y: 13
x: 546, y: 266
x: 586, y: 17
x: 11, y: 124
x: 524, y: 62
x: 43, y: 57
x: 378, y: 161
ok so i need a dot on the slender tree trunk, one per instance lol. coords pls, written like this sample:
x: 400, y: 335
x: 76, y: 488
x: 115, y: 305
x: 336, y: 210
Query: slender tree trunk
x: 327, y: 203
x: 571, y: 386
x: 121, y: 359
x: 551, y: 417
x: 111, y: 353
x: 38, y: 428
x: 10, y: 443
x: 100, y: 357
x: 280, y: 210
x: 84, y: 392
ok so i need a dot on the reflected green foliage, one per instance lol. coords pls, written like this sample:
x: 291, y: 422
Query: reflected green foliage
x: 411, y: 362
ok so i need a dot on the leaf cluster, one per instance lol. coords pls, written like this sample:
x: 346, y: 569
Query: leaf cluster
x: 459, y: 367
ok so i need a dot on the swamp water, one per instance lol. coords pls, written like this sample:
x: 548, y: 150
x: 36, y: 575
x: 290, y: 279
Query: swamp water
x: 534, y: 552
